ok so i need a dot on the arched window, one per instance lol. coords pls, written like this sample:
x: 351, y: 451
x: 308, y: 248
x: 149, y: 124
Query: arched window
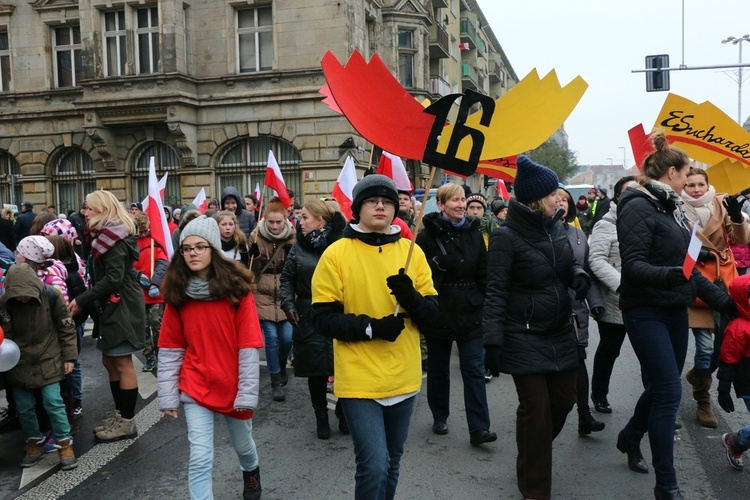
x: 243, y: 165
x: 11, y: 189
x: 73, y: 179
x: 167, y: 161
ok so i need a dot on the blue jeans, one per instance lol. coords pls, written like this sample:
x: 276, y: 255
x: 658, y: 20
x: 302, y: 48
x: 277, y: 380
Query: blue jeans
x: 471, y: 361
x: 742, y: 443
x: 76, y: 377
x: 659, y: 338
x: 278, y: 340
x: 704, y: 348
x: 379, y: 433
x: 200, y: 422
x: 53, y: 404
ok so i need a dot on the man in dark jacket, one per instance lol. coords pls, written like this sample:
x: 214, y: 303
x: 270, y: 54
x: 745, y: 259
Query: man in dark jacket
x: 78, y: 220
x: 7, y: 234
x: 24, y: 221
x: 231, y: 201
x: 601, y: 207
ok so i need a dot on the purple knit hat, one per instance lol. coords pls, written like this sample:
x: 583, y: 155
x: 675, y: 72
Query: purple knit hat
x: 60, y: 227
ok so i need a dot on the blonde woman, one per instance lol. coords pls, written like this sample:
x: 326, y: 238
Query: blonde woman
x: 233, y: 241
x: 121, y: 324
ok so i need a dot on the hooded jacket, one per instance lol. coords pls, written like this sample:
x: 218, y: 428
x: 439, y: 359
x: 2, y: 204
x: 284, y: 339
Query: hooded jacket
x: 46, y: 336
x: 245, y: 218
x: 267, y: 291
x: 734, y: 358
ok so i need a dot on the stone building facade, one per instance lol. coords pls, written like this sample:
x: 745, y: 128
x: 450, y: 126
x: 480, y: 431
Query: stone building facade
x: 91, y: 89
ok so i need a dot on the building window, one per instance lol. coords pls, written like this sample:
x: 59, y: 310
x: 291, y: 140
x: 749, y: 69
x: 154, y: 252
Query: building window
x: 4, y: 62
x: 114, y: 43
x: 147, y: 40
x: 11, y: 190
x: 406, y: 58
x: 67, y: 47
x: 243, y: 165
x: 255, y: 39
x: 166, y: 161
x: 73, y: 179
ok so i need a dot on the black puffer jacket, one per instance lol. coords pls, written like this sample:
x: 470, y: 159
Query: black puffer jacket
x: 651, y: 244
x: 460, y: 287
x: 313, y: 353
x: 527, y: 308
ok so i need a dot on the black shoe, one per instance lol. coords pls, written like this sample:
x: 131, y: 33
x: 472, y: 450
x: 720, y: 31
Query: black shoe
x: 322, y: 428
x: 440, y: 427
x: 636, y: 462
x: 661, y: 494
x: 601, y: 405
x: 9, y: 420
x: 482, y: 436
x: 677, y: 425
x: 587, y: 424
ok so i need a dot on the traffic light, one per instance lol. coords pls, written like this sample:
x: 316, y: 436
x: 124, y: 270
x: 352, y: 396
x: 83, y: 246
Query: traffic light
x: 489, y: 181
x: 657, y: 81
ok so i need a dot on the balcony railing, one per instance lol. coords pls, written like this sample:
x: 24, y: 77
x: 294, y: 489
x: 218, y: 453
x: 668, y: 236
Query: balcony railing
x: 496, y: 72
x: 481, y: 46
x: 439, y: 42
x: 439, y: 86
x: 468, y: 30
x: 469, y: 73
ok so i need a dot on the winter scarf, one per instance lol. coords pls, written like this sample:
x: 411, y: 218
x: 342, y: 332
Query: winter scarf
x: 700, y: 209
x: 103, y: 240
x: 286, y: 232
x: 318, y: 238
x: 670, y: 194
x: 198, y: 289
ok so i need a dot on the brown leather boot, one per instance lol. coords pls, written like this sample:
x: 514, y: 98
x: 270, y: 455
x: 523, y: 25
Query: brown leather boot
x: 34, y: 452
x: 67, y: 456
x: 701, y: 382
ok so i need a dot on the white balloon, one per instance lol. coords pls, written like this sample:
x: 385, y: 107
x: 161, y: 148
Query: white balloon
x: 9, y: 355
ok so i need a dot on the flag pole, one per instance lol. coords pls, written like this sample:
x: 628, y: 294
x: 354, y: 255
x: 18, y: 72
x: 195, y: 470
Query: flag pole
x: 372, y: 151
x: 417, y: 226
x: 152, y: 256
x: 260, y: 212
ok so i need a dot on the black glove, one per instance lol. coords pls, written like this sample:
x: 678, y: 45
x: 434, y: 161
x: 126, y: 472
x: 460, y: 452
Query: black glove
x: 730, y: 308
x: 492, y: 355
x: 674, y: 277
x: 705, y: 255
x: 596, y: 312
x: 445, y: 262
x: 401, y: 287
x: 253, y: 250
x: 293, y: 316
x: 725, y: 397
x: 387, y: 328
x: 734, y: 208
x: 580, y: 285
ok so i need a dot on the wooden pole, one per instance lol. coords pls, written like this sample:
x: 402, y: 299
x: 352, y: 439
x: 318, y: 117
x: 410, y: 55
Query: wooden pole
x: 260, y: 212
x: 372, y: 151
x: 152, y: 258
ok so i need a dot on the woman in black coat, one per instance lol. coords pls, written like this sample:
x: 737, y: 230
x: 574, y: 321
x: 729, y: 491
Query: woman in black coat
x: 319, y: 227
x: 527, y: 319
x: 457, y: 255
x: 654, y: 234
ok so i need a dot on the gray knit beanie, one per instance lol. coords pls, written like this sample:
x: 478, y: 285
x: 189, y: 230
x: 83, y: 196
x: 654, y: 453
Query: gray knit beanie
x: 204, y: 227
x: 373, y: 185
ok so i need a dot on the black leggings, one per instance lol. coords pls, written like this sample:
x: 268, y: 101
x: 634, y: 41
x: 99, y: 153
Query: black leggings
x: 611, y: 337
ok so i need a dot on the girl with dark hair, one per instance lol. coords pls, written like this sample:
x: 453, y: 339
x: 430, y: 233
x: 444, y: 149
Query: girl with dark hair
x: 605, y: 263
x: 208, y: 353
x: 654, y: 234
x: 320, y: 225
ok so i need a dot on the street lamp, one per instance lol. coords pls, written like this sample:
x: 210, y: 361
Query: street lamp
x: 624, y: 164
x: 738, y: 42
x: 610, y: 161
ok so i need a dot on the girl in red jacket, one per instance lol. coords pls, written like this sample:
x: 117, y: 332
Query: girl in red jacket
x: 208, y: 353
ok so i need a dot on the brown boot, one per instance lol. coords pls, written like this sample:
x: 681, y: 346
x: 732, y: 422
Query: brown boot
x: 67, y: 457
x: 701, y: 380
x: 34, y: 452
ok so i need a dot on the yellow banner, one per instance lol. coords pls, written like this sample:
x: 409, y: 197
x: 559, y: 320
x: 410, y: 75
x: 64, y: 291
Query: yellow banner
x: 729, y: 177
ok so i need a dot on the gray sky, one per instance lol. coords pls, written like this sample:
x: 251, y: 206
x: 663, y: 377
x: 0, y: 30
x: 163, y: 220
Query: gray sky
x: 604, y: 40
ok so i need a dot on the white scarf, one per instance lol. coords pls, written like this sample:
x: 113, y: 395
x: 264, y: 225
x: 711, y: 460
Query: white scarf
x: 700, y: 209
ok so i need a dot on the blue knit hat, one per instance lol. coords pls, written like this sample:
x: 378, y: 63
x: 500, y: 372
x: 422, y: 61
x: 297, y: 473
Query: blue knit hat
x: 533, y: 181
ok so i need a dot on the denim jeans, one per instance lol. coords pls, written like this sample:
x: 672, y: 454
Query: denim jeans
x: 75, y: 378
x: 471, y: 361
x: 278, y: 340
x: 379, y: 433
x: 742, y: 443
x: 200, y: 422
x: 53, y: 404
x: 611, y: 337
x: 704, y: 348
x: 659, y: 337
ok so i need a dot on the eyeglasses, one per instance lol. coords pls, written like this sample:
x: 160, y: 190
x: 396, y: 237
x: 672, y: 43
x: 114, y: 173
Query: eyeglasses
x: 373, y: 202
x: 198, y: 249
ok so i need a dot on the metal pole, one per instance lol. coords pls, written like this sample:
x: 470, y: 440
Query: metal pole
x: 624, y: 164
x: 739, y: 88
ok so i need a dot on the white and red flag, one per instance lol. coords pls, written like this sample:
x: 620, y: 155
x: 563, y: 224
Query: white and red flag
x: 258, y: 195
x: 392, y: 166
x: 200, y: 201
x: 464, y: 46
x: 694, y: 248
x: 344, y: 186
x: 155, y: 212
x: 502, y: 190
x: 275, y: 180
x: 162, y: 187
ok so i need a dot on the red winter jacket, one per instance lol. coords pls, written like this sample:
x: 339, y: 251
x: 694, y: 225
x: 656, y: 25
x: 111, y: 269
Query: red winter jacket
x: 741, y: 255
x: 143, y: 264
x: 735, y: 348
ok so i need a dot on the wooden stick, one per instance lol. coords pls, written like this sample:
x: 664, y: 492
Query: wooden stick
x: 260, y: 212
x: 372, y: 150
x: 417, y: 226
x: 152, y: 258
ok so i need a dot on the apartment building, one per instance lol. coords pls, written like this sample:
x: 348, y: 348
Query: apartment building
x: 91, y: 89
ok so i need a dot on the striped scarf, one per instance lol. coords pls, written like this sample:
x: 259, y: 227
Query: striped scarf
x: 103, y: 240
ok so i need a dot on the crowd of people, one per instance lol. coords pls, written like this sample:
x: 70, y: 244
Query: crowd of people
x: 374, y: 302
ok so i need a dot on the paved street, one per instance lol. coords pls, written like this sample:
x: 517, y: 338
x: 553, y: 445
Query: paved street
x: 295, y: 464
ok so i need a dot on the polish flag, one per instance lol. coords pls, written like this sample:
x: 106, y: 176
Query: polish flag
x: 464, y: 46
x: 694, y: 248
x: 392, y: 166
x: 162, y: 187
x: 200, y: 201
x: 502, y: 190
x: 344, y: 186
x: 275, y: 180
x: 155, y: 212
x: 258, y: 194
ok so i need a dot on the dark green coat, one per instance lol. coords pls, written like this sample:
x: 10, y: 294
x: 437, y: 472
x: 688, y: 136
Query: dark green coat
x: 47, y: 338
x: 113, y: 273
